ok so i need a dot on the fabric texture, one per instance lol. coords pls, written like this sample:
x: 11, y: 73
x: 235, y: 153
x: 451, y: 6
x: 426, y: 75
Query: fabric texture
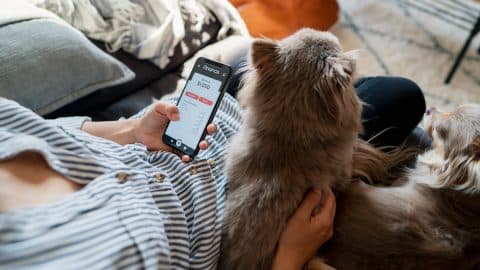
x: 149, y: 29
x: 137, y: 210
x: 71, y: 122
x: 46, y: 64
x: 17, y: 10
x: 146, y: 73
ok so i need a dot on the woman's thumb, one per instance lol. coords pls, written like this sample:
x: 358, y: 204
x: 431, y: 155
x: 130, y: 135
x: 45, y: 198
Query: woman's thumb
x: 169, y: 110
x: 310, y: 202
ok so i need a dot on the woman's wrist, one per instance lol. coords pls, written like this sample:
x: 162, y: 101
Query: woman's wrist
x: 121, y: 131
x: 134, y: 129
x: 131, y: 130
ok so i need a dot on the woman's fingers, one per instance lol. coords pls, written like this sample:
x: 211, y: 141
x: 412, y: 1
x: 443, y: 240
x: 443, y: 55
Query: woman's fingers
x: 327, y: 213
x: 203, y: 145
x: 334, y: 210
x: 169, y: 110
x: 308, y: 204
x: 186, y: 158
x: 211, y: 129
x: 182, y: 156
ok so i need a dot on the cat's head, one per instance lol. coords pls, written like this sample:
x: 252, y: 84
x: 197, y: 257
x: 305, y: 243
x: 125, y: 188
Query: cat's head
x: 305, y: 76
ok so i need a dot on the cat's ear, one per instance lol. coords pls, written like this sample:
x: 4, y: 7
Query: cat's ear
x: 341, y: 68
x: 263, y: 53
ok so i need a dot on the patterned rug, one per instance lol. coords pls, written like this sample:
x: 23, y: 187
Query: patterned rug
x: 413, y: 39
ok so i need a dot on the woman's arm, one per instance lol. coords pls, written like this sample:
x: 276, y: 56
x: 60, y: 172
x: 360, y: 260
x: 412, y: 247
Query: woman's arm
x: 305, y: 233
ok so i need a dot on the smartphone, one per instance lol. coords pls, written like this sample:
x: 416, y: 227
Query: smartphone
x: 197, y: 104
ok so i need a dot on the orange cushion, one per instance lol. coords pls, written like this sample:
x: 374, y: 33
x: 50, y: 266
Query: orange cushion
x: 277, y: 19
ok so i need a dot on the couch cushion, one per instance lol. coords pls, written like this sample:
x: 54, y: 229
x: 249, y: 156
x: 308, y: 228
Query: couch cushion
x: 45, y: 64
x: 146, y: 72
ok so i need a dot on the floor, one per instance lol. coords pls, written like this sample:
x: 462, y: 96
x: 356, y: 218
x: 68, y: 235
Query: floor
x: 397, y: 39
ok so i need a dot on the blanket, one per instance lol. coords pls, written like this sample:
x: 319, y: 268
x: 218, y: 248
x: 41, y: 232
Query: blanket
x: 16, y: 10
x: 149, y: 29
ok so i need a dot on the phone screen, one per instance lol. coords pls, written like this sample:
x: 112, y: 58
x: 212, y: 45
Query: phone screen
x: 196, y: 105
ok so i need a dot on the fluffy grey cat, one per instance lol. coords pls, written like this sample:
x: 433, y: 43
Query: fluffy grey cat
x: 301, y: 121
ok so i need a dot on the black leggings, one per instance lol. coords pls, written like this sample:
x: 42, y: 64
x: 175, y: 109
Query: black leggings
x: 393, y: 107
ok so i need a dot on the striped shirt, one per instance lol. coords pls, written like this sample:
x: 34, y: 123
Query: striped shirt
x: 137, y: 209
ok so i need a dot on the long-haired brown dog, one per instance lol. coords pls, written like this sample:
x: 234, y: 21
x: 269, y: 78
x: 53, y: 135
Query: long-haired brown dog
x: 432, y: 220
x: 301, y: 121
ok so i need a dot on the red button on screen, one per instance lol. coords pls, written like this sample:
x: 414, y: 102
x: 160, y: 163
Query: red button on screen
x: 206, y: 101
x: 192, y: 95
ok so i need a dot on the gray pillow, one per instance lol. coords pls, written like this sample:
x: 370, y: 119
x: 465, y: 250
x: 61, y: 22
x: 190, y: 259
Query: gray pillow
x: 45, y: 65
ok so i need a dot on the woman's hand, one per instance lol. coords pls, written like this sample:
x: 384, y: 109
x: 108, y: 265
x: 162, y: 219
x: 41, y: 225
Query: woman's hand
x: 305, y: 232
x: 150, y: 128
x: 147, y: 130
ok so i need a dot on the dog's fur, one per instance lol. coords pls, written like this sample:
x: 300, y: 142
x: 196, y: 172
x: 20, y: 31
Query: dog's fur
x: 301, y: 121
x: 432, y: 221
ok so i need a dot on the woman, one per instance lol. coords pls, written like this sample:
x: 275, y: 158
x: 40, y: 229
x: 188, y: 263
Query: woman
x: 72, y: 200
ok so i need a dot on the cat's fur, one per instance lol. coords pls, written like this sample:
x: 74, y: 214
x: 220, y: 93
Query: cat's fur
x: 431, y: 221
x: 301, y: 121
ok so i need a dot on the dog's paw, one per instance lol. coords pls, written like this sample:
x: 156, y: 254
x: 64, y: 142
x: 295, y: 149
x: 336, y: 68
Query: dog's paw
x: 318, y: 264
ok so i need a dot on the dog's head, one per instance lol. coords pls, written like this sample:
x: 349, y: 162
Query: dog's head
x: 306, y: 76
x: 456, y: 139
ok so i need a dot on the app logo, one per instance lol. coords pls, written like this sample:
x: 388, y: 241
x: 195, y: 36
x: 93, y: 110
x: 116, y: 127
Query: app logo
x: 209, y: 69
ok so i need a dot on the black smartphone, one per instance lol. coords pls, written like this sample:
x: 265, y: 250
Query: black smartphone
x: 197, y: 104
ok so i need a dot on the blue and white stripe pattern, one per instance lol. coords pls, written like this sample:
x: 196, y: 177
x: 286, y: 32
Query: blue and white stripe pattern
x: 137, y: 210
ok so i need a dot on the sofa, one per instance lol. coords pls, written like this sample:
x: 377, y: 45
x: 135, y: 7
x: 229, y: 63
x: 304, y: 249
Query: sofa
x: 56, y: 70
x: 151, y: 82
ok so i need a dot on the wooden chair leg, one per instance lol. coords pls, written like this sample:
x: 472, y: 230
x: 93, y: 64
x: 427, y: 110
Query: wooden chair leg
x: 475, y: 30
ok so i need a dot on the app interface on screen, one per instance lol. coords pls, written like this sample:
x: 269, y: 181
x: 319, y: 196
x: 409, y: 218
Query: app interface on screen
x: 196, y: 104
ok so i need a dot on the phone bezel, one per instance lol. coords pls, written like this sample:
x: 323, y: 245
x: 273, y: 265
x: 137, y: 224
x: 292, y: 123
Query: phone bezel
x: 223, y: 88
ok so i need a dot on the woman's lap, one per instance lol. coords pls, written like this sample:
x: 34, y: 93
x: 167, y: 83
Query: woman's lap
x: 393, y: 108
